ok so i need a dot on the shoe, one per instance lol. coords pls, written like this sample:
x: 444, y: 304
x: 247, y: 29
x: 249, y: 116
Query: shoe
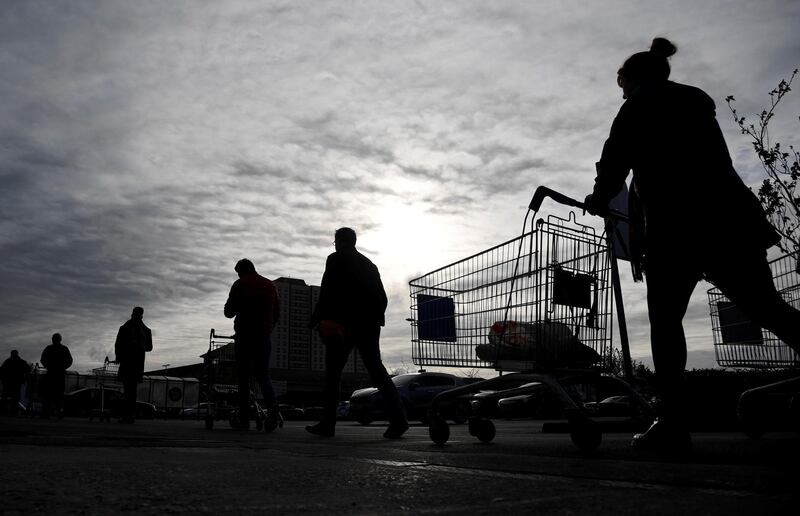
x: 321, y: 429
x: 663, y: 435
x: 395, y: 430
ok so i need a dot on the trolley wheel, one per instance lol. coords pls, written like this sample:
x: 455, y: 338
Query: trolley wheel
x: 439, y: 430
x: 585, y: 434
x: 482, y: 428
x: 272, y: 422
x: 209, y: 422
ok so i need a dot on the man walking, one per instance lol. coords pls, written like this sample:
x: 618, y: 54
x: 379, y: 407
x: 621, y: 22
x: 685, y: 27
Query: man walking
x: 253, y: 301
x: 56, y: 358
x: 134, y: 339
x: 14, y: 373
x: 349, y: 314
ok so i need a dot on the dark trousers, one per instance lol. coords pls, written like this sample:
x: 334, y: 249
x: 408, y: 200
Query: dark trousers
x: 337, y: 350
x: 252, y: 359
x: 743, y: 276
x: 129, y: 390
x: 53, y: 393
x: 11, y: 396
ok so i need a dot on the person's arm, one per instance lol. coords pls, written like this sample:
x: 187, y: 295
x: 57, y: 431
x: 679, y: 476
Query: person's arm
x: 67, y: 359
x: 321, y: 309
x: 232, y: 304
x: 614, y: 164
x: 119, y: 344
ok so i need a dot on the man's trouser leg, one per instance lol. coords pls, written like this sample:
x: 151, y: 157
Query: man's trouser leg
x: 261, y: 367
x: 368, y: 345
x: 243, y: 368
x: 129, y: 388
x: 337, y: 349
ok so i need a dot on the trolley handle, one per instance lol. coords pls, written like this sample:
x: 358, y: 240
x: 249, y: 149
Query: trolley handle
x: 543, y: 192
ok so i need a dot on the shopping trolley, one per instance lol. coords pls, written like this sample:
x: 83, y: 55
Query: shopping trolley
x: 220, y: 380
x: 738, y: 342
x: 538, y: 307
x: 106, y: 378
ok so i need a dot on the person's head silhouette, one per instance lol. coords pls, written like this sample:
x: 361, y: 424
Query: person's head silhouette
x: 244, y: 267
x: 646, y: 67
x: 344, y: 239
x: 56, y: 338
x: 137, y: 313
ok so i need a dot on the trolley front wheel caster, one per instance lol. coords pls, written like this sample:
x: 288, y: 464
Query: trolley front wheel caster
x: 209, y: 422
x: 585, y: 434
x: 482, y: 428
x: 439, y: 430
x: 271, y: 423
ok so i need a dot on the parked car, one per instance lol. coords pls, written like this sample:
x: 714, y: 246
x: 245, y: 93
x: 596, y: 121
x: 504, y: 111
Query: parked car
x: 417, y: 391
x: 84, y: 402
x: 198, y: 412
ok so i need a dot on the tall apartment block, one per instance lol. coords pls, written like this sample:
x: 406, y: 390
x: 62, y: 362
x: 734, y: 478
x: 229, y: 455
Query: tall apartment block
x: 295, y: 346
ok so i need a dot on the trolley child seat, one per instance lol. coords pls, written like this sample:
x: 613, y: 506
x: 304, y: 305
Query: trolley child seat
x: 220, y: 382
x: 738, y: 342
x: 538, y: 306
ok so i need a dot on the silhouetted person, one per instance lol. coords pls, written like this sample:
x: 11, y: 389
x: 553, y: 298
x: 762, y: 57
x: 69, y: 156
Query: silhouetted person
x: 253, y: 301
x: 699, y: 221
x: 134, y: 339
x: 56, y: 358
x: 13, y: 372
x: 349, y: 314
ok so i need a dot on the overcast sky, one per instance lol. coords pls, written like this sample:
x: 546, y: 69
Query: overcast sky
x: 147, y: 146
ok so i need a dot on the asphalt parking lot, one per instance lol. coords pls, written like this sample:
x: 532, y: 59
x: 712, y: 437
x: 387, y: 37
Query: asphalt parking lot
x: 74, y: 466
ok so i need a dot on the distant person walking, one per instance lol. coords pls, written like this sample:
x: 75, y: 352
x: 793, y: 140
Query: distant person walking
x: 56, y: 358
x: 349, y: 314
x: 14, y: 373
x: 253, y: 301
x: 134, y: 339
x: 699, y: 221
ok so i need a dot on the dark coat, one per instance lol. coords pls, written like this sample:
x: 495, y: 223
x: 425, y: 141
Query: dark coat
x: 253, y: 301
x: 134, y: 338
x: 351, y: 293
x: 56, y: 358
x: 691, y: 196
x: 14, y: 370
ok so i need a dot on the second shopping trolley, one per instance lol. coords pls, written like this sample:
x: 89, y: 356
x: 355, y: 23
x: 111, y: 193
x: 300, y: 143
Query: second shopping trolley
x: 538, y: 306
x: 740, y: 343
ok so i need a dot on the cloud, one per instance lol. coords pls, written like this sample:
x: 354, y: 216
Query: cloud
x: 144, y: 148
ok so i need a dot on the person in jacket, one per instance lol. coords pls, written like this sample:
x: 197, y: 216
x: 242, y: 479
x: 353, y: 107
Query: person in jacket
x: 253, y: 301
x: 349, y: 314
x: 134, y: 339
x: 699, y: 220
x: 56, y: 358
x: 14, y: 373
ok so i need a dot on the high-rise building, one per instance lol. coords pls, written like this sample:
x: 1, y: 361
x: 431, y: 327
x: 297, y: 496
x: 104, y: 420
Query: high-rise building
x: 295, y: 346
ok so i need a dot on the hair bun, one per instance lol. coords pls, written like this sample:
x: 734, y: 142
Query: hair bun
x: 663, y: 47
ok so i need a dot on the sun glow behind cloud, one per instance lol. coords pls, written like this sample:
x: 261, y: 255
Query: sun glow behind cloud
x: 144, y: 148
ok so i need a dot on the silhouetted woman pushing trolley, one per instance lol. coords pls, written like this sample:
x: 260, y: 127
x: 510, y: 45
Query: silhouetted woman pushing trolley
x: 698, y: 220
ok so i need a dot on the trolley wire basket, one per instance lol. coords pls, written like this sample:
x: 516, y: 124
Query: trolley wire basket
x: 738, y: 342
x: 538, y: 306
x: 537, y: 302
